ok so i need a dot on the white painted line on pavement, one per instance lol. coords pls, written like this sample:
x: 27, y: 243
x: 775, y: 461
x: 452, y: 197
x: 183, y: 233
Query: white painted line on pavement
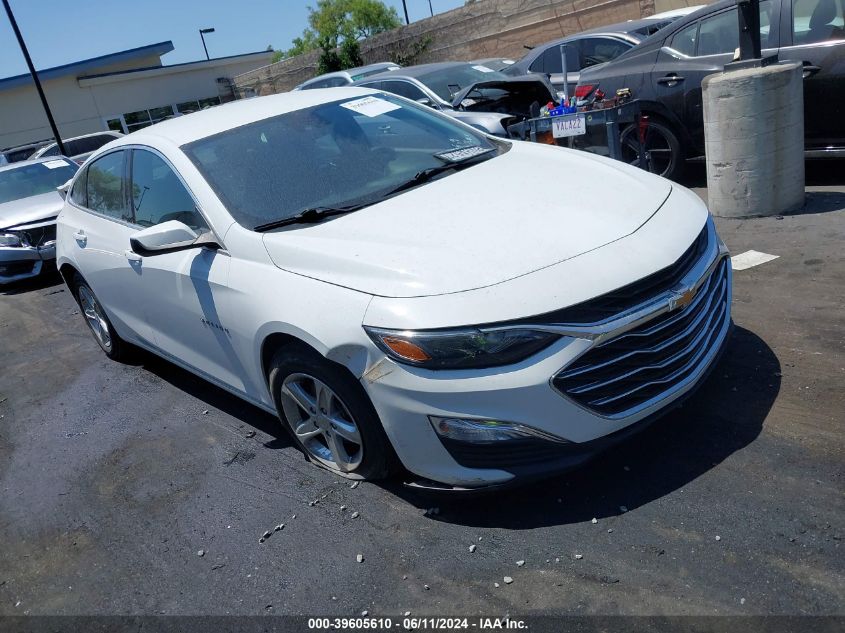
x: 749, y: 259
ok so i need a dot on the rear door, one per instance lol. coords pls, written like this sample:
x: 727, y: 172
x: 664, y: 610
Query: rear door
x: 697, y: 50
x: 815, y: 33
x: 100, y: 222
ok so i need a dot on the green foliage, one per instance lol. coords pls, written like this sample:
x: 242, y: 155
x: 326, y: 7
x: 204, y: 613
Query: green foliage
x: 334, y: 22
x: 408, y: 54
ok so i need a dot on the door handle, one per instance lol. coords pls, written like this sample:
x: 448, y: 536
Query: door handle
x: 810, y: 69
x: 670, y: 80
x: 132, y: 256
x: 81, y: 238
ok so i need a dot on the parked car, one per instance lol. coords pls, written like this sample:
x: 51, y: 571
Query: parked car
x: 20, y: 152
x: 399, y: 288
x: 665, y: 73
x: 346, y: 77
x: 584, y: 49
x: 78, y: 148
x: 494, y: 63
x: 29, y: 204
x: 474, y: 94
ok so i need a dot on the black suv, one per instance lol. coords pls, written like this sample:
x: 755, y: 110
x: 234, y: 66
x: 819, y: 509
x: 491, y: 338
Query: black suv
x: 665, y: 73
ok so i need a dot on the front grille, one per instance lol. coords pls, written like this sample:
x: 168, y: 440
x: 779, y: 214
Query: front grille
x: 653, y: 360
x: 611, y: 304
x: 38, y: 236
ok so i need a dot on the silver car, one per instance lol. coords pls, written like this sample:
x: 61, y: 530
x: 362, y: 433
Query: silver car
x: 346, y: 77
x: 78, y: 148
x: 473, y: 93
x: 29, y: 204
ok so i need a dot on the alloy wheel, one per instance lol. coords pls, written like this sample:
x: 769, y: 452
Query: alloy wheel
x: 657, y: 146
x: 322, y: 422
x: 95, y: 317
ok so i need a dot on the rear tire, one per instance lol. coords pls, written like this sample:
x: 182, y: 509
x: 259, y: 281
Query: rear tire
x: 666, y: 156
x: 98, y: 322
x: 329, y: 414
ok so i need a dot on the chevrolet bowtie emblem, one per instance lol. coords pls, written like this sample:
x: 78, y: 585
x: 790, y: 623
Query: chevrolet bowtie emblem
x: 682, y: 299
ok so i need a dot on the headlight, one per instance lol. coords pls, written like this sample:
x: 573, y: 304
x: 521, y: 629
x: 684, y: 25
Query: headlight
x: 487, y: 431
x: 8, y: 239
x: 460, y: 349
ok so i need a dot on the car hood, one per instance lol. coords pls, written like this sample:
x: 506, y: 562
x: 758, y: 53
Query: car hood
x: 530, y: 208
x: 32, y: 209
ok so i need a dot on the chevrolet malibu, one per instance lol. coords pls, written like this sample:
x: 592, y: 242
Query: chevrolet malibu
x: 402, y: 290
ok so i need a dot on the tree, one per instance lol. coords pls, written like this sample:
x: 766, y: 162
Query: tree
x: 334, y: 22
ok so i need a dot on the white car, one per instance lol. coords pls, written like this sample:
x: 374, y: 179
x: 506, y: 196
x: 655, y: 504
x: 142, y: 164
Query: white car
x: 400, y: 288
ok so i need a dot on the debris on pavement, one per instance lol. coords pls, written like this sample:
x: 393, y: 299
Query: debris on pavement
x: 520, y: 563
x: 508, y: 580
x: 623, y: 508
x: 279, y: 527
x: 579, y: 556
x: 595, y: 520
x: 354, y: 515
x: 266, y: 534
x: 471, y: 549
x: 360, y: 558
x: 354, y: 484
x: 250, y: 434
x: 201, y: 553
x: 718, y: 538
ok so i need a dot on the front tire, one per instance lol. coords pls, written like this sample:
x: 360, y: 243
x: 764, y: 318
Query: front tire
x: 329, y: 414
x: 95, y: 317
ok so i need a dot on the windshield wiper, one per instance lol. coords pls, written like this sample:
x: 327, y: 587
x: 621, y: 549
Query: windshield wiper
x: 311, y: 215
x: 427, y: 174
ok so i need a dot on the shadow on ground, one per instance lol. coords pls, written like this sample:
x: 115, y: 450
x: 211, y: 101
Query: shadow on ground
x: 48, y: 278
x: 726, y: 415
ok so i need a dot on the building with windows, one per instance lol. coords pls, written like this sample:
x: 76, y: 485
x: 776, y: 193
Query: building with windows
x: 122, y: 91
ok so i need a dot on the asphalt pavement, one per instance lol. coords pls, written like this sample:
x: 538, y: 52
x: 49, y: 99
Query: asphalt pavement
x: 141, y: 489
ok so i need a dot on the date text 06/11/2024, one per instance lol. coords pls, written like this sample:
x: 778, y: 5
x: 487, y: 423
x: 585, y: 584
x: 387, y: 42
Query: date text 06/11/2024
x: 415, y: 624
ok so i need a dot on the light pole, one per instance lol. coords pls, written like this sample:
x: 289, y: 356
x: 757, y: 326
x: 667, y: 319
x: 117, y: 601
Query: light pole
x: 34, y: 77
x: 405, y: 7
x: 202, y: 35
x: 430, y: 8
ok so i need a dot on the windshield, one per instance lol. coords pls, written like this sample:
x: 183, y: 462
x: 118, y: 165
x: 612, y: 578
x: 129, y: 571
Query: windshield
x: 34, y: 179
x: 347, y: 152
x: 448, y: 82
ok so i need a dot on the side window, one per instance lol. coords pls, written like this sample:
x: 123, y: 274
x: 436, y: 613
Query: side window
x: 551, y: 62
x: 104, y: 186
x: 52, y: 150
x: 337, y: 82
x: 158, y: 195
x: 817, y: 21
x: 719, y: 34
x: 403, y: 89
x: 684, y: 40
x: 74, y: 148
x: 78, y: 194
x: 92, y: 143
x: 597, y: 50
x: 323, y: 83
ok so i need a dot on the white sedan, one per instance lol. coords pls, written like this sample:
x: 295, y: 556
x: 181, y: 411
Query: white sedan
x: 401, y: 289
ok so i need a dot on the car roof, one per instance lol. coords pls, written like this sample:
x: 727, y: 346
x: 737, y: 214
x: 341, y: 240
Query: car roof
x: 412, y: 72
x: 679, y: 24
x: 349, y: 72
x: 197, y: 125
x: 45, y: 159
x: 76, y: 138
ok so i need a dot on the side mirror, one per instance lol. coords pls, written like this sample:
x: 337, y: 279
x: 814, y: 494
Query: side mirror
x: 425, y: 101
x: 64, y: 189
x: 168, y: 237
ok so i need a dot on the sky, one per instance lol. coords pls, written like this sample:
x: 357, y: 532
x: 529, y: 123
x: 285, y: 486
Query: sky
x: 63, y: 31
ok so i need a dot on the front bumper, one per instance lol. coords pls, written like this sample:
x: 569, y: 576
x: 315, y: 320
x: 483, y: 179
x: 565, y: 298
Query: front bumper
x: 24, y: 262
x: 529, y: 393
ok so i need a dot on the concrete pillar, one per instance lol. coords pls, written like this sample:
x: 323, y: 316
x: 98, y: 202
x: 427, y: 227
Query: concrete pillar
x: 754, y: 140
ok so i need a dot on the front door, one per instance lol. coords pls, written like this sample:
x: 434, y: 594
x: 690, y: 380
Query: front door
x: 817, y: 32
x: 185, y: 293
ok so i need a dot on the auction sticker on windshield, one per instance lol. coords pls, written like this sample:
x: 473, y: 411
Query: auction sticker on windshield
x: 569, y: 126
x: 458, y: 155
x: 370, y: 106
x: 54, y: 164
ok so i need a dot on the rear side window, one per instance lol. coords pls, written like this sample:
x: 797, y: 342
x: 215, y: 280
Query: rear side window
x: 719, y: 34
x: 403, y: 89
x: 158, y: 194
x: 104, y: 187
x: 598, y: 50
x: 684, y: 40
x: 550, y: 63
x: 91, y: 143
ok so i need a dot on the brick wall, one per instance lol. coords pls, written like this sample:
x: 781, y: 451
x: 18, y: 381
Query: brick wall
x: 484, y: 28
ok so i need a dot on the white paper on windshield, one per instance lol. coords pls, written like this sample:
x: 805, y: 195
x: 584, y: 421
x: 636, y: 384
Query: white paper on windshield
x: 483, y: 69
x: 54, y: 164
x: 370, y: 106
